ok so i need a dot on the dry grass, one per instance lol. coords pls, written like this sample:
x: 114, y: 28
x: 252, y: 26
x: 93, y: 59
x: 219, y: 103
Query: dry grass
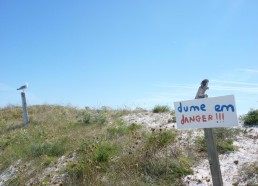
x: 108, y: 150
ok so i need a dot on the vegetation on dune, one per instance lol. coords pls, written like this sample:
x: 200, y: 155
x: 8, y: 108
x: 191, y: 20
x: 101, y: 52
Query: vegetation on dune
x: 107, y: 150
x: 98, y: 147
x: 161, y: 108
x: 128, y: 155
x: 224, y: 138
x: 251, y: 118
x: 249, y: 172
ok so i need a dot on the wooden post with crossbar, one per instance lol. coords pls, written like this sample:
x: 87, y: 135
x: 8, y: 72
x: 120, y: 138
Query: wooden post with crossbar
x: 211, y: 142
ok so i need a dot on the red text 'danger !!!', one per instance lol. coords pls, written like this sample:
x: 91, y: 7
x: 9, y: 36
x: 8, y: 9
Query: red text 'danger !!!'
x: 197, y: 118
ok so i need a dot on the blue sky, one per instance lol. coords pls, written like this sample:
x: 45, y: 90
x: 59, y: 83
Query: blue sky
x: 128, y: 53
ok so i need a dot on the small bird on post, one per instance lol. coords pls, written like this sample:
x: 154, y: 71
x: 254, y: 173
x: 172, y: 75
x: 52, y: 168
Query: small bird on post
x: 202, y: 89
x: 23, y: 87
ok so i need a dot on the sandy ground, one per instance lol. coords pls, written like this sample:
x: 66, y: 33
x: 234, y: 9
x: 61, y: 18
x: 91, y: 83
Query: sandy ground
x: 230, y: 163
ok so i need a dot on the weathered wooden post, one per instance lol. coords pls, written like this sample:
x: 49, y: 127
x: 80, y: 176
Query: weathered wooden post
x: 24, y: 107
x: 24, y: 104
x: 211, y: 143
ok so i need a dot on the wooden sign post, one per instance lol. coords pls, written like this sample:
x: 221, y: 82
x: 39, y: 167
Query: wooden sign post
x: 25, y: 111
x: 211, y: 143
x: 207, y: 113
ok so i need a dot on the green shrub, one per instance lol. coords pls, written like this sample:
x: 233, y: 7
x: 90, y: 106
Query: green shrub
x: 134, y: 127
x: 92, y: 117
x: 249, y: 171
x: 224, y: 139
x: 161, y: 138
x: 159, y: 162
x: 158, y: 140
x: 104, y: 151
x: 86, y: 118
x: 200, y: 143
x: 92, y: 159
x: 99, y: 119
x: 48, y: 160
x: 225, y: 146
x: 227, y: 133
x: 251, y: 118
x: 170, y: 169
x: 160, y: 109
x: 173, y: 112
x: 117, y: 129
x: 120, y: 128
x: 50, y: 149
x: 76, y: 172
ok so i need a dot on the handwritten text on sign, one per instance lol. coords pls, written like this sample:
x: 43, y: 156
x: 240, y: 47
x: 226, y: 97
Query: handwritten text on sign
x: 206, y: 113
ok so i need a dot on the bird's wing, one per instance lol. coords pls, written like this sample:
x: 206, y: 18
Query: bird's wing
x: 22, y: 87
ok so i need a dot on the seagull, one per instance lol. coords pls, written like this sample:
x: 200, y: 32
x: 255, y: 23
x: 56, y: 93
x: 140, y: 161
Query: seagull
x: 23, y: 87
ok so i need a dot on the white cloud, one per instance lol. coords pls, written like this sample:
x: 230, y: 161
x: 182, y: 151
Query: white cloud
x: 249, y: 89
x: 235, y: 82
x: 240, y: 82
x: 237, y: 88
x: 249, y: 70
x: 169, y: 85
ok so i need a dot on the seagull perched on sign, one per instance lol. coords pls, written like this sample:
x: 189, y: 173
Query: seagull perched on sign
x: 23, y: 87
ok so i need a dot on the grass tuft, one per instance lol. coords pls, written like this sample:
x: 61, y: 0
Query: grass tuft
x: 224, y: 139
x: 161, y: 109
x: 49, y: 149
x: 104, y: 151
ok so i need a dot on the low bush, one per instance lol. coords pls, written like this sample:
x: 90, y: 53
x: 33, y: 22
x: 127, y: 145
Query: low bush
x: 168, y: 170
x: 224, y: 138
x: 251, y: 118
x: 160, y: 109
x: 120, y: 128
x: 249, y: 171
x: 165, y: 169
x: 225, y: 146
x: 161, y: 138
x: 86, y: 118
x: 104, y: 151
x: 93, y: 158
x: 92, y: 117
x: 49, y: 149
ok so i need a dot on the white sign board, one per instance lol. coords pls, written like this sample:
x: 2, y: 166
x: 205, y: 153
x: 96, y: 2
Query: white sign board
x: 206, y: 113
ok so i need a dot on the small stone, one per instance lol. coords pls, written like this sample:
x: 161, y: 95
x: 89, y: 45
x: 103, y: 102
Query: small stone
x: 98, y: 167
x: 236, y: 162
x: 199, y: 182
x: 235, y: 184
